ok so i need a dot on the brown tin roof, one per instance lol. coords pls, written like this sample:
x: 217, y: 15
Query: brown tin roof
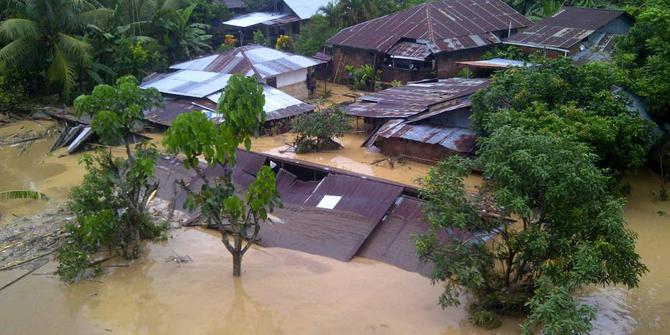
x: 443, y: 26
x: 565, y: 29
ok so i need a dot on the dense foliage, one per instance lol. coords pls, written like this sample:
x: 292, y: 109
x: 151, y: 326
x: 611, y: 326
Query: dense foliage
x: 364, y: 77
x: 645, y: 56
x: 316, y: 131
x: 570, y: 231
x: 111, y: 202
x: 194, y: 136
x: 576, y: 102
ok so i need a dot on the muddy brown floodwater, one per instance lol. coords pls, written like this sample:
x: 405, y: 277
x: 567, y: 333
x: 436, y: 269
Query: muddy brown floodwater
x: 284, y: 291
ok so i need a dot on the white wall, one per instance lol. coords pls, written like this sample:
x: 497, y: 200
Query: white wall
x: 291, y: 78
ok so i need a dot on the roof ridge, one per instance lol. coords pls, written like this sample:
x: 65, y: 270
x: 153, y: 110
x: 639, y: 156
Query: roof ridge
x: 431, y: 30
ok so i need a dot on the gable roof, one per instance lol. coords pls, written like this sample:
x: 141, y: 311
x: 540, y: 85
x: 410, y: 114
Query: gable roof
x: 446, y: 25
x: 564, y: 29
x: 305, y: 9
x: 250, y: 60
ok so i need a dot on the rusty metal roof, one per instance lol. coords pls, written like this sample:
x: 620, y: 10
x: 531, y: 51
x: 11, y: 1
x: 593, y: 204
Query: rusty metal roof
x: 443, y: 26
x: 168, y: 111
x: 455, y: 139
x: 250, y: 60
x: 565, y: 29
x: 412, y: 99
x: 409, y: 50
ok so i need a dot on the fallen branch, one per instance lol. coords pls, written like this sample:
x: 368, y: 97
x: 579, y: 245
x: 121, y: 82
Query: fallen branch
x: 20, y: 277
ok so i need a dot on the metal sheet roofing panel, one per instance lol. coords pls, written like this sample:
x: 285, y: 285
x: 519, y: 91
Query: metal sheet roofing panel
x: 565, y: 29
x: 446, y: 25
x: 250, y: 60
x: 251, y: 19
x: 455, y: 139
x: 188, y: 83
x: 412, y: 99
x: 307, y: 8
x: 409, y: 50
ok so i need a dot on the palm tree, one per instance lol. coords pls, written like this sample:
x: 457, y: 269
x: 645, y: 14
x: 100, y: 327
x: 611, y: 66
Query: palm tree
x: 45, y: 37
x: 22, y: 194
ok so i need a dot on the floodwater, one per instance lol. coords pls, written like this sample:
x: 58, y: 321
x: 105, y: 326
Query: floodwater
x: 35, y: 169
x: 284, y: 291
x: 351, y: 157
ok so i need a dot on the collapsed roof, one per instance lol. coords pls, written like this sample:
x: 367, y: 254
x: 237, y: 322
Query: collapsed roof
x: 565, y: 29
x: 440, y: 26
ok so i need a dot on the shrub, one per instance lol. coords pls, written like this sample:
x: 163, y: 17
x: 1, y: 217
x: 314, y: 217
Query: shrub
x: 315, y: 132
x: 364, y: 77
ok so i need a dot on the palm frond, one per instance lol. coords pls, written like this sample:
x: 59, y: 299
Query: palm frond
x: 13, y: 29
x: 61, y: 70
x: 22, y: 194
x: 17, y: 51
x: 74, y: 49
x: 97, y: 16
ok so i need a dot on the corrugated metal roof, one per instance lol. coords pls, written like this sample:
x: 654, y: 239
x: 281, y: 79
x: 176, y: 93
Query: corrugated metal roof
x: 278, y: 105
x: 189, y: 83
x: 412, y: 99
x: 305, y: 9
x: 496, y: 63
x: 565, y: 29
x: 409, y: 50
x: 254, y: 60
x: 447, y: 25
x: 172, y: 107
x: 455, y: 139
x: 252, y: 19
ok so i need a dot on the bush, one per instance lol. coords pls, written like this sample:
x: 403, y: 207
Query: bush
x: 315, y: 132
x: 260, y: 39
x: 12, y: 87
x: 485, y: 319
x: 284, y: 42
x: 138, y: 58
x: 364, y: 77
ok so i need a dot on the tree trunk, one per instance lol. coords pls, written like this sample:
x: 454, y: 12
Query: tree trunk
x: 237, y: 264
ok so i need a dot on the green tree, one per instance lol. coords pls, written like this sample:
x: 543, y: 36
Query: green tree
x: 194, y: 136
x: 111, y: 203
x: 260, y: 39
x: 569, y: 231
x: 45, y: 37
x: 314, y: 35
x: 645, y: 56
x: 182, y: 38
x: 316, y: 131
x: 577, y: 102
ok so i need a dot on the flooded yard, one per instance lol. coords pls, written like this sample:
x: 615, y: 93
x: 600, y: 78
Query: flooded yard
x: 281, y: 291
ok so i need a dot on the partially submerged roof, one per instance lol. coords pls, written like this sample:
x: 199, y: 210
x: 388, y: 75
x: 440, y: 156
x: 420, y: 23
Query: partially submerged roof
x: 441, y: 26
x: 454, y: 139
x: 565, y: 29
x: 412, y: 99
x: 250, y: 60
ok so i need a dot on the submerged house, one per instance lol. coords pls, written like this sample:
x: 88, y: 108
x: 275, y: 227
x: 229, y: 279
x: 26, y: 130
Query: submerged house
x: 425, y: 41
x: 199, y: 83
x: 281, y: 17
x: 580, y: 33
x: 424, y: 121
x: 326, y: 211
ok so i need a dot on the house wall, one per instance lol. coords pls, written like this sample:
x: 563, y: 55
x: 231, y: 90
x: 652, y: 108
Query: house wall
x: 297, y: 90
x: 420, y: 152
x: 446, y: 61
x: 343, y: 56
x: 290, y: 78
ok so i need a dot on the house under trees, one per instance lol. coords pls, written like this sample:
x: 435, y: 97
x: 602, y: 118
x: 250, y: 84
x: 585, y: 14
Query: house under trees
x: 425, y: 41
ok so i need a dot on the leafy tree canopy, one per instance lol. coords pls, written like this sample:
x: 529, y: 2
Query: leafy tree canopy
x: 577, y: 102
x: 645, y: 56
x: 570, y: 231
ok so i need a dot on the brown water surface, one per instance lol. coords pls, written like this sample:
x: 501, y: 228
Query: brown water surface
x: 284, y: 291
